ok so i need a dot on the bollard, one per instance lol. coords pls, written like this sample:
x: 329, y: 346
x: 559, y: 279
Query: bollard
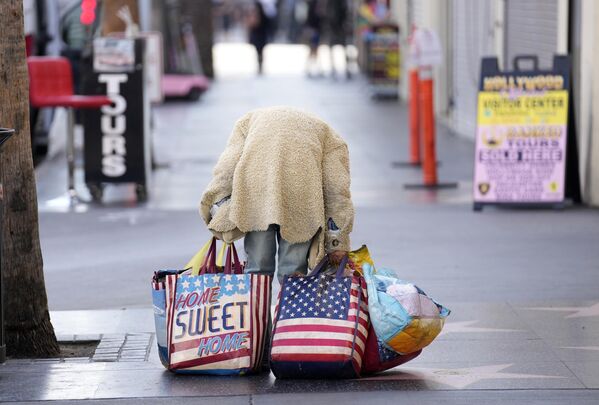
x: 414, y: 118
x: 414, y: 122
x: 427, y: 120
x: 426, y: 109
x: 5, y: 133
x: 414, y: 107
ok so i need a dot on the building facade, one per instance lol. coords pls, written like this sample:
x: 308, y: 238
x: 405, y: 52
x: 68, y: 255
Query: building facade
x: 472, y: 29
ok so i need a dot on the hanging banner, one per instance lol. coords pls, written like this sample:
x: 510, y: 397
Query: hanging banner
x: 521, y: 134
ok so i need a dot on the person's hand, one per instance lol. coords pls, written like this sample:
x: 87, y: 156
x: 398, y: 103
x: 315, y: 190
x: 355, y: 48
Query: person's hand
x: 336, y: 256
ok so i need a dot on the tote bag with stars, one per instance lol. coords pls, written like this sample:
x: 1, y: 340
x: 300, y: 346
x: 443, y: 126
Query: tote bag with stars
x: 216, y: 317
x: 321, y: 326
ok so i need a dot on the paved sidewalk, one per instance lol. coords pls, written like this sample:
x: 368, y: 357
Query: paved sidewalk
x: 433, y: 238
x: 522, y: 284
x: 497, y: 347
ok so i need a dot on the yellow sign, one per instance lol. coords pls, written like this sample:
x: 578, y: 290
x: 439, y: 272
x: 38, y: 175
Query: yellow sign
x: 549, y: 108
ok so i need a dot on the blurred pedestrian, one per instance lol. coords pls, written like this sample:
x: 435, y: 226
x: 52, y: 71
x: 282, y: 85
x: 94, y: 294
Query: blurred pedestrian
x: 227, y: 17
x: 74, y: 37
x: 337, y: 16
x: 283, y: 180
x: 314, y: 24
x: 298, y: 10
x: 261, y: 25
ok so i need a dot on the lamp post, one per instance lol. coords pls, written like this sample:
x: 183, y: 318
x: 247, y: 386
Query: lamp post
x: 5, y: 133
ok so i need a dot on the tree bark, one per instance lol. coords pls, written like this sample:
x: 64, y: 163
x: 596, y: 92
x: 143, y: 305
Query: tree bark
x: 29, y: 332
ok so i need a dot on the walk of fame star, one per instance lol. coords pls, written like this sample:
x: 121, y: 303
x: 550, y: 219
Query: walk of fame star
x: 457, y: 377
x: 465, y: 327
x: 578, y: 312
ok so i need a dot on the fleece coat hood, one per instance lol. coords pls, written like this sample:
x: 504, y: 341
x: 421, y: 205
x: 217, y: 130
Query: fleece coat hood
x: 286, y: 167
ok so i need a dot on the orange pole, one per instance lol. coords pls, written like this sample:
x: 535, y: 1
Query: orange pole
x: 427, y: 121
x: 414, y: 119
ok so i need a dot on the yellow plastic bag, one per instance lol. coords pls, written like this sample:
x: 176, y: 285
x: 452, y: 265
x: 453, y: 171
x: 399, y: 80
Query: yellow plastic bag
x: 198, y: 259
x: 357, y: 258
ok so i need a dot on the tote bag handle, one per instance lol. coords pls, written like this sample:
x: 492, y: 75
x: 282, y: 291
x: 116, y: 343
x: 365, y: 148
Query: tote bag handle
x: 197, y: 260
x: 209, y: 265
x: 233, y: 264
x: 323, y: 265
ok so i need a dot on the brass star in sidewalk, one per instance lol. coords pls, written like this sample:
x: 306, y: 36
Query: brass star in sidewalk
x: 579, y: 312
x: 594, y: 348
x: 465, y: 327
x: 458, y: 377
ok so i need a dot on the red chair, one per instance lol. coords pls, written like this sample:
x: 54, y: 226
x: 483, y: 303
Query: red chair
x: 51, y: 85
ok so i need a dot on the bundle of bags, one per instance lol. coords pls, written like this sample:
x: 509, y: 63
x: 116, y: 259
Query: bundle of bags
x: 404, y: 319
x: 336, y: 322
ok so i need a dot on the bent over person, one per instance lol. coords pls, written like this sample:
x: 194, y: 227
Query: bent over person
x: 283, y: 181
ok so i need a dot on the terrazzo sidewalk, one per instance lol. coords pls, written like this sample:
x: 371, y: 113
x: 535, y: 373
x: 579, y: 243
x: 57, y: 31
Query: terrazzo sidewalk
x: 537, y: 352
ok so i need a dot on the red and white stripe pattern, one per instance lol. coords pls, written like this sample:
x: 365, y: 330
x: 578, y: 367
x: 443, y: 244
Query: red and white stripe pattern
x: 313, y: 336
x: 260, y: 307
x: 170, y: 284
x: 183, y: 353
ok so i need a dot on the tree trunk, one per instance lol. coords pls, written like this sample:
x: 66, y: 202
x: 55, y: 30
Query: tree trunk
x: 29, y: 332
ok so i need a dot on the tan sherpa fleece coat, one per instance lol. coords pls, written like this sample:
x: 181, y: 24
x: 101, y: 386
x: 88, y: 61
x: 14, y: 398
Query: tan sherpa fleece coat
x: 282, y: 166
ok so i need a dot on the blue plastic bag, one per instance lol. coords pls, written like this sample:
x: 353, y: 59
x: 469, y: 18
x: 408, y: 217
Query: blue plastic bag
x: 404, y: 318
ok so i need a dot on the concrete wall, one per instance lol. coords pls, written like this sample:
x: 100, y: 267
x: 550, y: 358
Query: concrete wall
x: 585, y: 78
x: 473, y: 37
x: 592, y: 183
x: 582, y: 60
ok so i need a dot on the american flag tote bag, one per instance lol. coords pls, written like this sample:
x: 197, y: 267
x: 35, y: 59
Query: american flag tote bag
x: 321, y: 326
x: 216, y: 321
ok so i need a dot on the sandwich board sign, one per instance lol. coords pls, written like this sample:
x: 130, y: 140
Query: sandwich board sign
x: 522, y: 132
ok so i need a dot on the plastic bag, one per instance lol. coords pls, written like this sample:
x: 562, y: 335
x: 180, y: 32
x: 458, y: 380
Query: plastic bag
x: 404, y: 318
x: 358, y: 258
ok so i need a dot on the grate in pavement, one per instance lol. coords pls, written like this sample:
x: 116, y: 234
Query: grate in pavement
x: 123, y: 347
x: 114, y: 347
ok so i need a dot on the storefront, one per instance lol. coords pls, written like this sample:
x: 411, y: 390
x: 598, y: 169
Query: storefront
x: 472, y: 37
x: 535, y: 27
x: 505, y: 28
